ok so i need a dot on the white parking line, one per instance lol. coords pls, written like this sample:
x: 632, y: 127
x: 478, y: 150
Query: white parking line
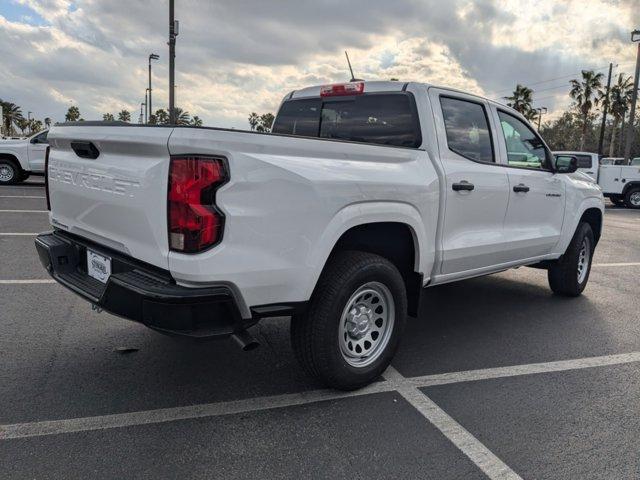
x: 21, y: 196
x: 396, y: 382
x: 16, y: 234
x: 24, y: 211
x: 628, y: 264
x: 26, y: 282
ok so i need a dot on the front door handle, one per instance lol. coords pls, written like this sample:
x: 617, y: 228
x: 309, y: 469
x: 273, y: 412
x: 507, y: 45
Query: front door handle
x: 463, y: 186
x: 522, y: 188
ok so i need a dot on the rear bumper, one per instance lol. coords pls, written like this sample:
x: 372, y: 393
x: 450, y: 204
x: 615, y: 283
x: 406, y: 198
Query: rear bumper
x: 140, y: 292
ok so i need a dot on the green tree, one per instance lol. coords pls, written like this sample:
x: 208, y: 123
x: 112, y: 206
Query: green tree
x: 161, y: 117
x: 266, y: 122
x: 12, y: 114
x: 254, y: 120
x: 584, y: 93
x: 562, y: 134
x: 35, y: 126
x: 619, y: 102
x: 124, y: 116
x: 196, y: 121
x: 522, y: 101
x: 108, y: 117
x: 182, y: 117
x: 73, y: 114
x: 23, y: 124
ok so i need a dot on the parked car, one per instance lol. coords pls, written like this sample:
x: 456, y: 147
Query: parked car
x: 22, y: 157
x: 635, y: 162
x: 363, y: 194
x: 619, y: 182
x: 613, y: 161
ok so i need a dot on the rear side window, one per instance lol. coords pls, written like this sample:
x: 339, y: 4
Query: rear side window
x: 386, y: 119
x: 299, y: 117
x: 584, y: 161
x: 467, y: 129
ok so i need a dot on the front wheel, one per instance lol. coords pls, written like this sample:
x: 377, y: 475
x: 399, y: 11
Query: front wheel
x: 10, y: 173
x: 354, y: 321
x: 570, y: 274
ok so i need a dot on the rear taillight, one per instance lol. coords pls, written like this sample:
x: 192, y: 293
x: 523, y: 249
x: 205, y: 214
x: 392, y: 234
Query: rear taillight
x: 46, y: 177
x: 342, y: 89
x: 195, y: 223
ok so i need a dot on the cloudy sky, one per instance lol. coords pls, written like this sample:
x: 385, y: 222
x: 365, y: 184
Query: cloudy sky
x: 234, y: 57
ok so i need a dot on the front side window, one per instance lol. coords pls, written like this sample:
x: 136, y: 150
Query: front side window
x: 42, y: 138
x: 467, y: 128
x: 525, y: 149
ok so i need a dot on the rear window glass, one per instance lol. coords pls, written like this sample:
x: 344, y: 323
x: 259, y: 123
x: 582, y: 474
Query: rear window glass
x: 584, y: 161
x: 387, y: 119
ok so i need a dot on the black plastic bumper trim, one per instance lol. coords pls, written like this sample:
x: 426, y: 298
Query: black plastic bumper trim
x: 142, y: 293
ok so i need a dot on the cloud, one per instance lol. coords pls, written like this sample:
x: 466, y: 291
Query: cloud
x: 242, y: 56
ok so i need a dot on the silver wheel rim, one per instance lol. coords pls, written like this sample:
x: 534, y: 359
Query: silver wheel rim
x: 584, y: 257
x: 6, y: 173
x: 634, y: 198
x: 366, y: 324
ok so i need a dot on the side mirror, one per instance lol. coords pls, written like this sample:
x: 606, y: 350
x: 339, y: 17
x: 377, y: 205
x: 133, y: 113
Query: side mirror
x: 565, y: 164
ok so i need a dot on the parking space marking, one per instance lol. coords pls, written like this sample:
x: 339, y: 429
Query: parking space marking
x: 26, y: 282
x: 628, y: 264
x: 17, y: 234
x: 395, y: 382
x: 55, y: 427
x: 24, y: 211
x: 21, y: 196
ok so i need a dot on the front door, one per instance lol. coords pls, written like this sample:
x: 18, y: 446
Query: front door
x: 536, y: 195
x: 477, y: 188
x: 37, y: 150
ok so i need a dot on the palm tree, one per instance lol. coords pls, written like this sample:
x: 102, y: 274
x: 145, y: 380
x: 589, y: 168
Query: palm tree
x: 254, y: 119
x: 182, y: 117
x: 23, y: 124
x: 522, y: 101
x: 196, y: 121
x: 36, y: 126
x: 161, y: 117
x: 12, y: 115
x: 107, y: 117
x: 584, y: 93
x: 619, y: 101
x: 73, y: 114
x: 124, y: 116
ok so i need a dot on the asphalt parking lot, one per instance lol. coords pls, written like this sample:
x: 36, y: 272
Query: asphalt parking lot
x: 497, y: 378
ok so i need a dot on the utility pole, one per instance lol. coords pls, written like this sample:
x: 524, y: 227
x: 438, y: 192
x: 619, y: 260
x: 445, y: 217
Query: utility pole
x: 541, y: 111
x: 173, y: 33
x: 141, y: 118
x: 604, y: 113
x: 635, y: 37
x: 153, y: 56
x: 146, y: 106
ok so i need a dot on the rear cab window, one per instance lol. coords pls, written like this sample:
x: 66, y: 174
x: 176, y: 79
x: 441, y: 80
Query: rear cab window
x: 378, y: 118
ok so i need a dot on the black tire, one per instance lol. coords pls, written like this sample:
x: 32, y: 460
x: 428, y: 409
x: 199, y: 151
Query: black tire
x: 632, y: 198
x: 10, y: 172
x: 315, y: 336
x: 564, y: 277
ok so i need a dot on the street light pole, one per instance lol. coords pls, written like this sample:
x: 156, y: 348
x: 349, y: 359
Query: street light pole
x: 173, y: 33
x: 635, y: 37
x: 604, y: 112
x: 146, y: 106
x: 153, y: 56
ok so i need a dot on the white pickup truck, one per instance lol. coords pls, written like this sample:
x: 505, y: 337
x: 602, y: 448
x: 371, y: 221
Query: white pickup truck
x: 619, y: 183
x: 363, y: 194
x: 20, y: 158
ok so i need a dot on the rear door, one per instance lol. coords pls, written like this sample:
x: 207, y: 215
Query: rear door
x: 477, y: 187
x: 117, y: 199
x: 536, y: 194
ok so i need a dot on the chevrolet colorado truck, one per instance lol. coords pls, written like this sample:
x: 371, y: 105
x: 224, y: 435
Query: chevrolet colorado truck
x: 20, y: 158
x: 363, y: 194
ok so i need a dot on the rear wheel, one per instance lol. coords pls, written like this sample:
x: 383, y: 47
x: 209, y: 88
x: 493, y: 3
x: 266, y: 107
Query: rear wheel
x: 570, y: 274
x: 632, y: 197
x: 10, y: 172
x: 354, y: 321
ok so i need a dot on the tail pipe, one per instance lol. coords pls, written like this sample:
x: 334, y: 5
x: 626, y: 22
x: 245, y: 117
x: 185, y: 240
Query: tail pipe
x: 245, y: 340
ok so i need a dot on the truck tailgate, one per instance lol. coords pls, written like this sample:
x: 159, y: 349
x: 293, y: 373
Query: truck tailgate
x: 118, y: 199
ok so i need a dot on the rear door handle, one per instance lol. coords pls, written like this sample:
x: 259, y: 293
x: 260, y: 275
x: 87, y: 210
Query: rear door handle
x: 522, y: 188
x: 463, y: 186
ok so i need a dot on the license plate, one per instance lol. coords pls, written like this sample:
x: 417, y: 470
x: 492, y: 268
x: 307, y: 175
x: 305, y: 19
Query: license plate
x: 98, y: 266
